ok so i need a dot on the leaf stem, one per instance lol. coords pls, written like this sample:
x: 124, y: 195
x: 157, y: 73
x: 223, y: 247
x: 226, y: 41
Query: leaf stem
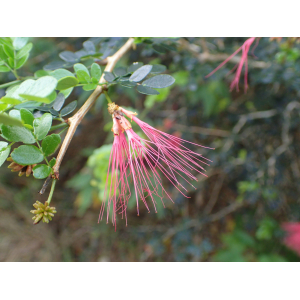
x: 62, y: 131
x: 62, y: 125
x: 107, y: 97
x: 51, y: 191
x: 46, y: 160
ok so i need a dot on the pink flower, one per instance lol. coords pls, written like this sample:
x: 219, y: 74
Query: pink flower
x: 293, y: 236
x: 117, y: 192
x: 142, y: 162
x: 245, y: 49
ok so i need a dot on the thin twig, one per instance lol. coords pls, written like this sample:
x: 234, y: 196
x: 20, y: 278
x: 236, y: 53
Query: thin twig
x: 76, y: 119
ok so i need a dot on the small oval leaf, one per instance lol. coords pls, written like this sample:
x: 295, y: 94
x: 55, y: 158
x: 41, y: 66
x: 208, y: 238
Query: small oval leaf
x: 26, y: 116
x: 59, y: 102
x: 42, y: 126
x: 41, y: 171
x: 27, y: 155
x: 66, y: 83
x: 50, y: 143
x: 109, y: 77
x: 159, y: 81
x: 96, y: 71
x: 140, y: 73
x: 69, y: 108
x: 146, y: 90
x: 17, y: 134
x: 4, y: 152
x: 134, y: 67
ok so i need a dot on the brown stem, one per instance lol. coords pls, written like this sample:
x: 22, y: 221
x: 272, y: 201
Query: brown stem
x: 76, y: 119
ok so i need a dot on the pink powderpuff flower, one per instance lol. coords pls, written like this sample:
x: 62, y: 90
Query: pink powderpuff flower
x: 292, y: 240
x: 117, y: 190
x: 244, y: 60
x: 142, y: 161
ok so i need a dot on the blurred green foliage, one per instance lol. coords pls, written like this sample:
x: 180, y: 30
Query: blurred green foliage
x: 235, y: 213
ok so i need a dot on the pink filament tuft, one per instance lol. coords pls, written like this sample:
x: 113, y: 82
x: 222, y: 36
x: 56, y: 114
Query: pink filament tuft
x: 244, y: 60
x: 141, y: 161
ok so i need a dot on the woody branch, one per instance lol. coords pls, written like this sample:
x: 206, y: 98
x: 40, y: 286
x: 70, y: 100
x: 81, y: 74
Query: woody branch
x: 77, y: 118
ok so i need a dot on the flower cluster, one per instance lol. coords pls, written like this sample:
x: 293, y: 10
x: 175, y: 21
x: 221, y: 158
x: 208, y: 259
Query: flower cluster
x: 21, y: 169
x: 42, y: 212
x: 141, y: 162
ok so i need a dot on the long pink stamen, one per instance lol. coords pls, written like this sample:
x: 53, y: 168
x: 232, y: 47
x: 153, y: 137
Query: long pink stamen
x: 244, y: 60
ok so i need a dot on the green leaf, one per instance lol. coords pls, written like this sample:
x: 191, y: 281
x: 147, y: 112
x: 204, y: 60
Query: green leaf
x: 50, y: 143
x: 96, y: 71
x: 59, y: 102
x: 146, y: 90
x: 36, y: 98
x: 8, y: 120
x: 11, y: 62
x: 41, y: 73
x: 20, y: 42
x: 15, y: 113
x: 4, y: 69
x: 9, y: 51
x: 54, y: 65
x: 134, y: 67
x: 140, y: 73
x: 9, y: 100
x: 159, y: 81
x: 27, y: 155
x: 40, y: 89
x: 26, y: 116
x: 6, y: 41
x: 3, y: 107
x: 4, y: 152
x: 67, y: 92
x: 90, y: 86
x: 25, y: 50
x: 17, y: 134
x: 69, y: 108
x: 83, y: 77
x: 3, y: 55
x: 61, y: 73
x: 121, y: 71
x: 22, y: 61
x: 52, y: 162
x: 109, y: 77
x: 42, y: 126
x: 81, y: 67
x: 23, y: 88
x: 52, y: 96
x: 94, y: 80
x: 89, y: 47
x: 128, y: 84
x: 68, y: 56
x: 96, y: 55
x: 41, y: 171
x: 66, y: 83
x: 158, y: 69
